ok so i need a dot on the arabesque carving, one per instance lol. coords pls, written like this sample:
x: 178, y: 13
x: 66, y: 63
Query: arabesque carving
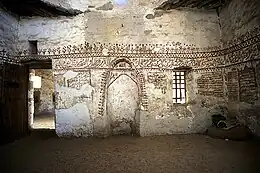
x: 151, y: 56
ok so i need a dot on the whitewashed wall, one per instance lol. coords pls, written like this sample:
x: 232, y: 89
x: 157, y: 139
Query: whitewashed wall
x: 8, y: 31
x: 113, y: 23
x: 121, y: 22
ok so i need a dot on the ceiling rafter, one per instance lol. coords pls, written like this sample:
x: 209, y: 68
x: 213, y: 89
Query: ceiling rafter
x: 37, y: 8
x: 206, y: 4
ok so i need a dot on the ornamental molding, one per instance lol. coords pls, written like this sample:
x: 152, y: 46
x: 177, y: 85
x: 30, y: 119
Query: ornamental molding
x: 245, y: 48
x: 169, y: 50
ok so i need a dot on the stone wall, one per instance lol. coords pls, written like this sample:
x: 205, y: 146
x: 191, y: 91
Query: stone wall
x: 8, y: 31
x: 238, y: 18
x: 45, y: 104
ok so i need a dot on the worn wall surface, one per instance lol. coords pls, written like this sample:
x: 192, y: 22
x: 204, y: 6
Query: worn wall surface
x: 73, y: 106
x: 83, y: 106
x: 51, y: 32
x: 8, y: 31
x: 125, y: 88
x: 126, y: 100
x: 45, y: 104
x: 122, y: 103
x: 134, y: 22
x: 238, y: 18
x: 165, y: 117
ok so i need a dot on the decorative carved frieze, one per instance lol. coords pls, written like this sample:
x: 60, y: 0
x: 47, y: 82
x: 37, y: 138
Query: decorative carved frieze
x: 78, y: 81
x: 158, y: 79
x: 143, y: 58
x: 247, y: 85
x: 211, y: 84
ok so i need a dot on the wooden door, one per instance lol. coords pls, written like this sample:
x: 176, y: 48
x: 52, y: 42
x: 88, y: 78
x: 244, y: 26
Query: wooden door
x: 14, y: 101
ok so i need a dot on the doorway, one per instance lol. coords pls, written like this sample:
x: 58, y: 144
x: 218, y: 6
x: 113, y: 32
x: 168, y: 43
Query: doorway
x: 41, y: 113
x: 43, y: 99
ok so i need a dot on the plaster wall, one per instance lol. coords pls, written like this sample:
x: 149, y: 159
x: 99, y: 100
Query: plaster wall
x: 8, y: 31
x: 54, y: 32
x: 122, y: 104
x: 165, y: 117
x: 237, y: 18
x: 122, y: 111
x: 73, y: 106
x: 77, y: 91
x: 45, y: 105
x: 134, y: 22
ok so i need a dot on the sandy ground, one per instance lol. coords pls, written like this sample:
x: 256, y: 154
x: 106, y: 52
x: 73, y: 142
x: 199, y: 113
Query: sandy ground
x: 45, y: 153
x: 44, y: 122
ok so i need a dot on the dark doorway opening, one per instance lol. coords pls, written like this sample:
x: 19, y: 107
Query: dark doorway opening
x: 41, y: 113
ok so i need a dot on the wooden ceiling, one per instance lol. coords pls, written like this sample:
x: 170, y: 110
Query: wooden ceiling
x: 36, y: 8
x: 206, y: 4
x: 45, y: 9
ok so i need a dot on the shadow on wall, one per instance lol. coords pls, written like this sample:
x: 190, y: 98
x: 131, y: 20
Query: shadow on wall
x: 43, y: 96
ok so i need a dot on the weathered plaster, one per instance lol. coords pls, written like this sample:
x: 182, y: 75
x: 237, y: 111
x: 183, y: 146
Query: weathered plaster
x: 122, y: 104
x: 8, y: 31
x: 165, y: 117
x: 123, y: 25
x: 46, y: 104
x: 187, y: 26
x: 30, y: 99
x: 237, y: 18
x: 73, y: 106
x: 53, y: 32
x: 75, y: 121
x: 83, y: 97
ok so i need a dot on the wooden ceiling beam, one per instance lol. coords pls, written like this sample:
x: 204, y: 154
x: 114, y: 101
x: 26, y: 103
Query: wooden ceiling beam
x: 166, y: 5
x: 213, y: 6
x: 202, y: 4
x: 188, y: 3
x: 37, y: 8
x: 180, y: 3
x: 195, y: 4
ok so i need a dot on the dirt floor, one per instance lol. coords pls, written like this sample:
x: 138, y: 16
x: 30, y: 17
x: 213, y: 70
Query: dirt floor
x: 44, y: 121
x: 44, y: 152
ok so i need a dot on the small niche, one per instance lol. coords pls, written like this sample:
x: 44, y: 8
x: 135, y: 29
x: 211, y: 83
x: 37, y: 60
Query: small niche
x: 33, y: 49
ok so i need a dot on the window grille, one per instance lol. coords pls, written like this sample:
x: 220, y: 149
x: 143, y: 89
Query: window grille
x: 179, y: 87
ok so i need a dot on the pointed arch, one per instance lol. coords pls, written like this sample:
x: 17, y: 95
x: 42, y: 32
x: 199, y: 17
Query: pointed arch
x: 137, y: 76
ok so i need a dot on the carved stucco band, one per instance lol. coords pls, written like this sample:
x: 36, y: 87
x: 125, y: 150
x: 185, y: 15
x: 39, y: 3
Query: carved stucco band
x: 174, y: 49
x: 105, y: 80
x: 96, y: 60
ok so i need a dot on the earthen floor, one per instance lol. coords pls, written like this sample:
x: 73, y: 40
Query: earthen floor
x: 43, y: 152
x: 44, y: 122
